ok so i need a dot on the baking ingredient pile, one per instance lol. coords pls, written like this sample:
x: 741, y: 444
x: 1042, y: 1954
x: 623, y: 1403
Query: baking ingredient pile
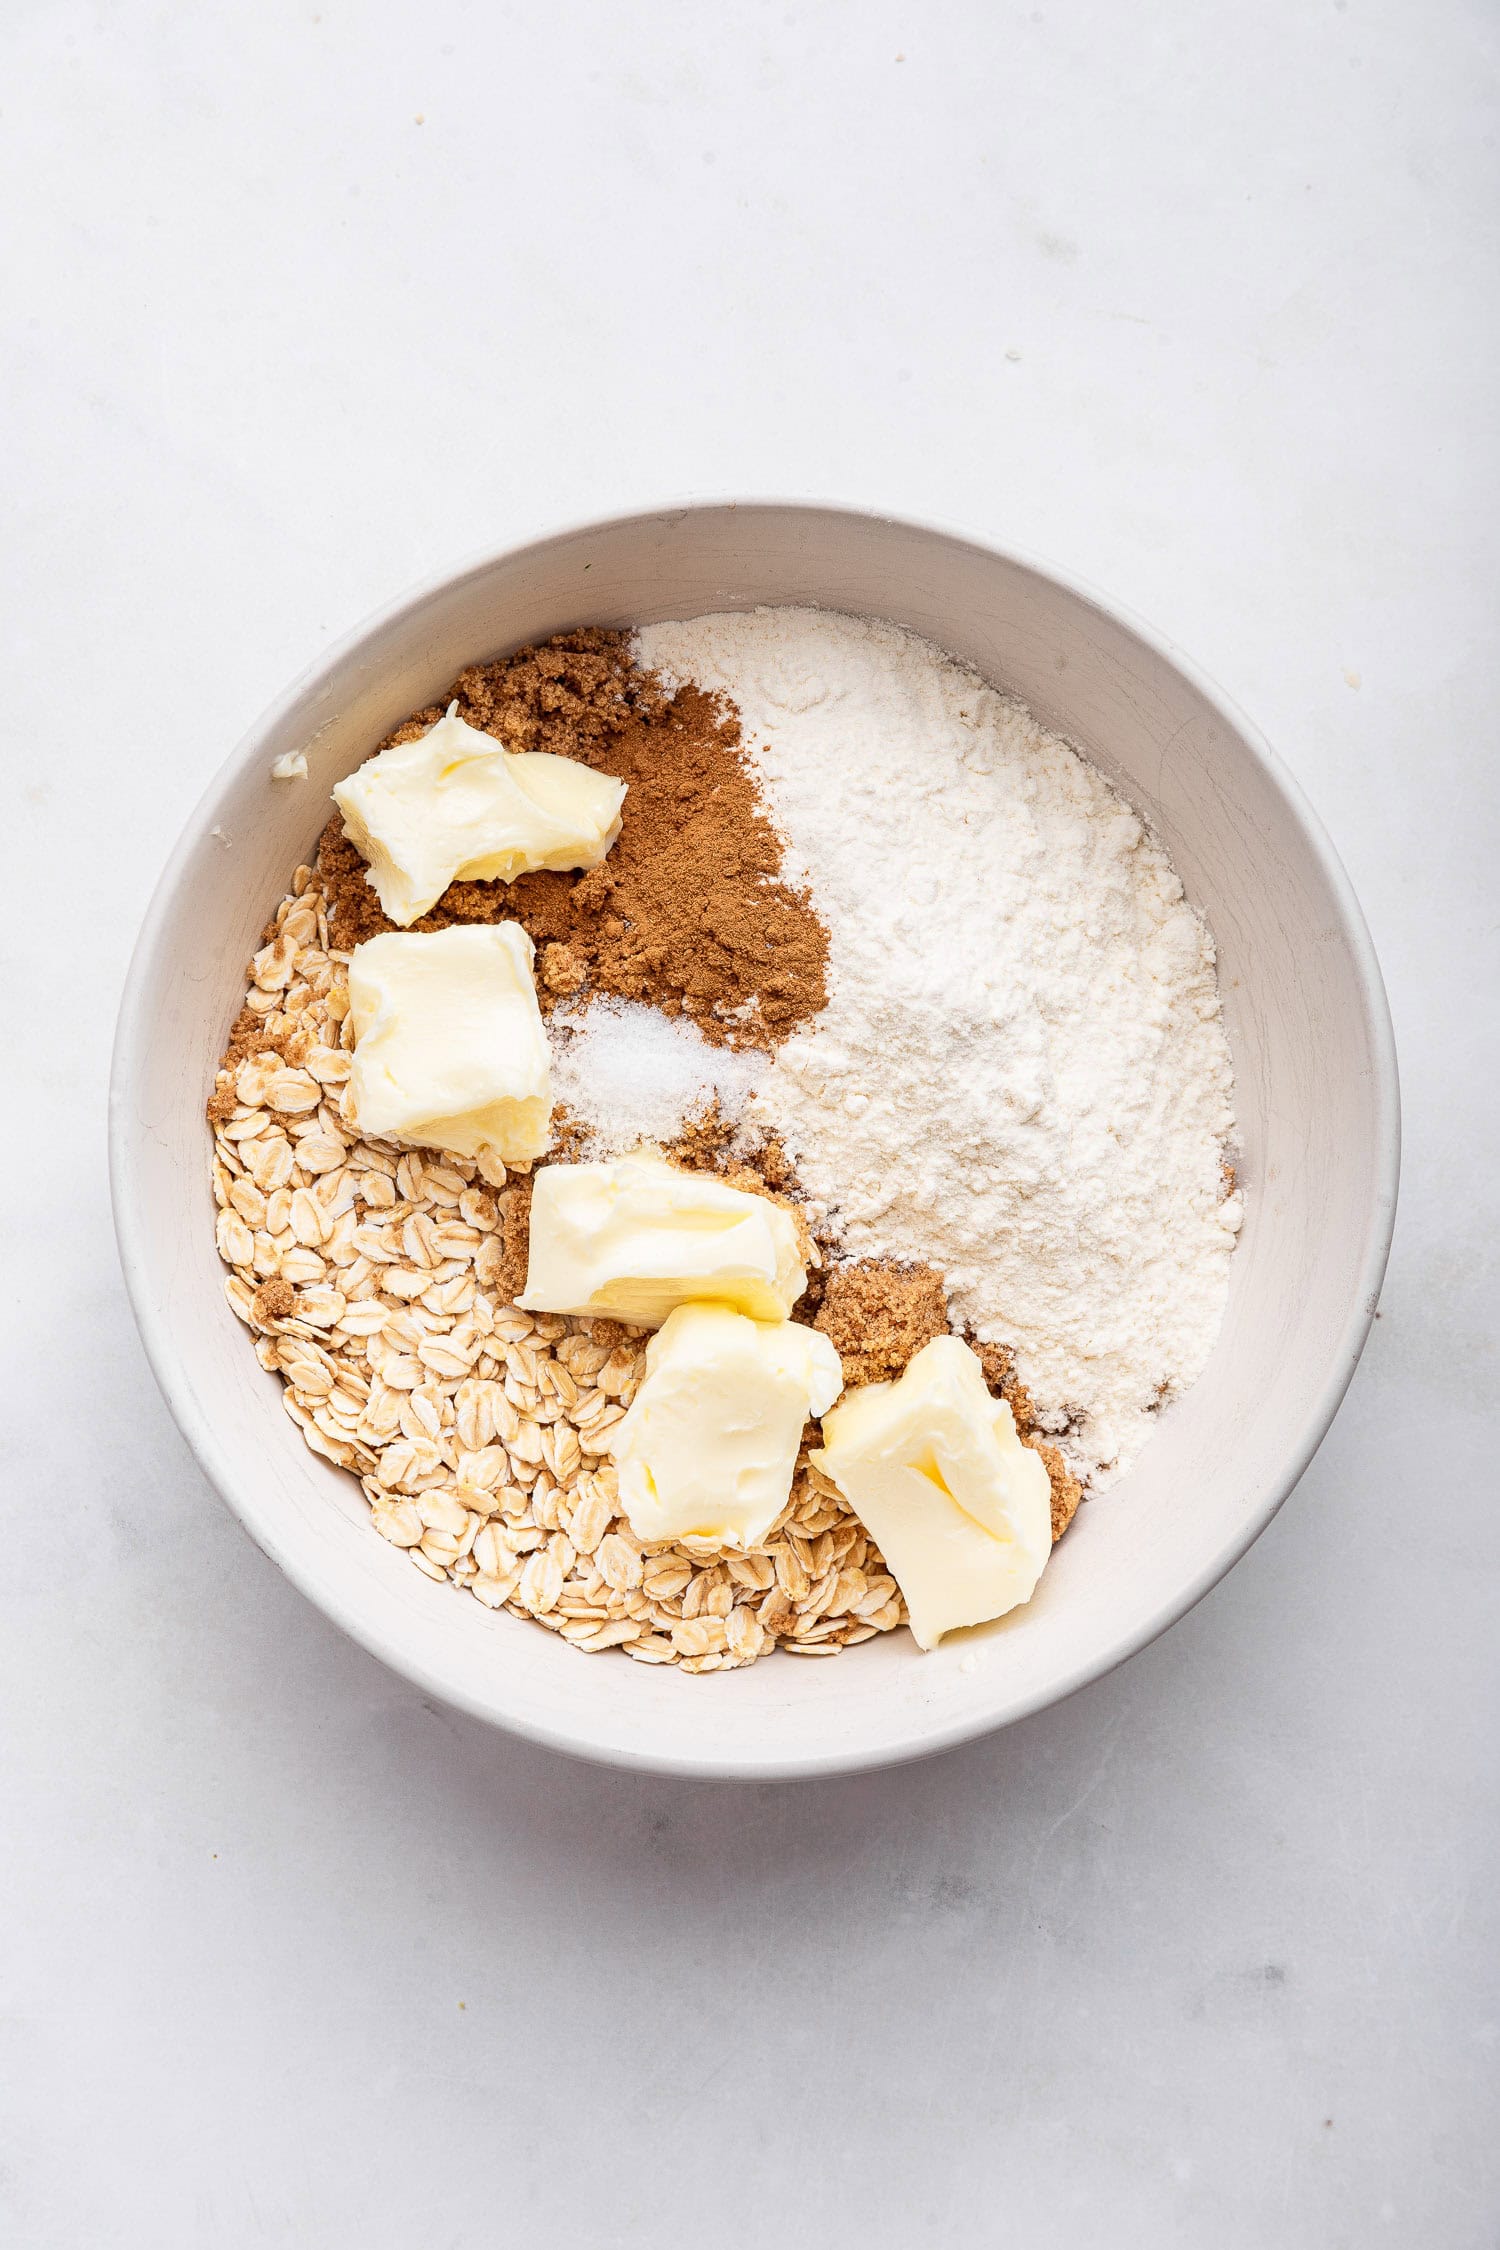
x: 957, y: 978
x: 870, y: 941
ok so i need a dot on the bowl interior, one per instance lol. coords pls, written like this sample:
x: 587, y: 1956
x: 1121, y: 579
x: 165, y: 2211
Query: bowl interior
x: 1315, y: 1096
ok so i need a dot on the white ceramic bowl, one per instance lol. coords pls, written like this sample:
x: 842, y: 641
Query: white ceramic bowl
x: 1316, y: 1097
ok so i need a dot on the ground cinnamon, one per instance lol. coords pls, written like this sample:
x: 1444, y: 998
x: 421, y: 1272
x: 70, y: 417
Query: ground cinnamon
x: 689, y: 911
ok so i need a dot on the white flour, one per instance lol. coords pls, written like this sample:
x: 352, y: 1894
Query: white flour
x: 1021, y: 1076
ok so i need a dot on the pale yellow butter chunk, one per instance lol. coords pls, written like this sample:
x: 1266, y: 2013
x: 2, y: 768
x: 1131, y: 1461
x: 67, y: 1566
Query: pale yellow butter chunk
x: 933, y: 1468
x: 457, y: 804
x: 449, y: 1049
x: 709, y: 1445
x: 633, y: 1239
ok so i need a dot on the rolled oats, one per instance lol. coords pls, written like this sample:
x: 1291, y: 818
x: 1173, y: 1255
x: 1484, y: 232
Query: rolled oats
x: 368, y: 1276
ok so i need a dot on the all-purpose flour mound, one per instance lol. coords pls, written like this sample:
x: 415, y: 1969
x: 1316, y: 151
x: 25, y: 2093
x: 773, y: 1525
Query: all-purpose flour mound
x: 1021, y: 1076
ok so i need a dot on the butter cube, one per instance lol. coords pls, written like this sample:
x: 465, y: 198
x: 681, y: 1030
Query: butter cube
x: 933, y: 1468
x: 456, y: 803
x: 449, y: 1050
x: 634, y: 1238
x: 709, y: 1445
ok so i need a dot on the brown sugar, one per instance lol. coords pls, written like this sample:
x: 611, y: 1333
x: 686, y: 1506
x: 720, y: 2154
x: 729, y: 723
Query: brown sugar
x: 712, y: 1142
x: 273, y: 1300
x: 878, y: 1315
x: 505, y: 1268
x: 1066, y: 1489
x: 688, y: 912
x: 247, y: 1036
x: 563, y: 970
x: 1004, y: 1382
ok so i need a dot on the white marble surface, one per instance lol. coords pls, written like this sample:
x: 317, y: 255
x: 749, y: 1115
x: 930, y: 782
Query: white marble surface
x: 305, y: 303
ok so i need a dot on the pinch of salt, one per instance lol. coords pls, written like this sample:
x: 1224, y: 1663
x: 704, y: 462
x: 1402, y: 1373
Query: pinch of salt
x: 628, y: 1073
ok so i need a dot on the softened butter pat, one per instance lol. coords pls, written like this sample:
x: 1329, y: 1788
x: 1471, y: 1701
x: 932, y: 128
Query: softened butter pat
x: 635, y: 1238
x: 708, y: 1448
x: 457, y: 804
x: 449, y: 1050
x: 933, y: 1468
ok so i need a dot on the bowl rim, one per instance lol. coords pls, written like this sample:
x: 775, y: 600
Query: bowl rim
x: 156, y: 1328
